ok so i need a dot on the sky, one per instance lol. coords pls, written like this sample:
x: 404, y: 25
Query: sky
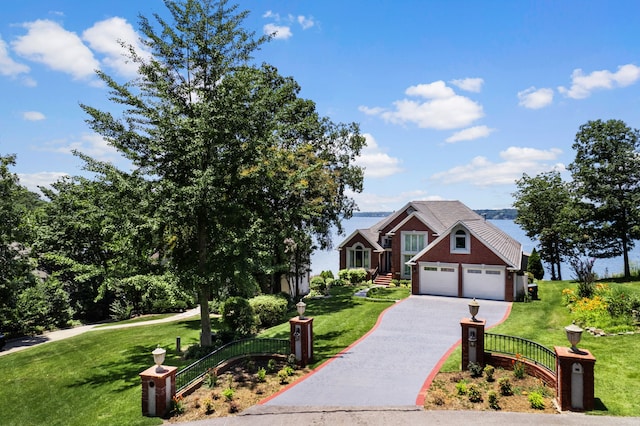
x: 457, y: 99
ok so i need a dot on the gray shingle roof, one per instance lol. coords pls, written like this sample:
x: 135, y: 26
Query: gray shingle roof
x: 442, y: 215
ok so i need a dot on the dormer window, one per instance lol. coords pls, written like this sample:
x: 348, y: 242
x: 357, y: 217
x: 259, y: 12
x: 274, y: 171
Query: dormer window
x: 460, y: 241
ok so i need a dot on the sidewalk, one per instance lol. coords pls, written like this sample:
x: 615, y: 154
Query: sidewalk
x: 22, y: 343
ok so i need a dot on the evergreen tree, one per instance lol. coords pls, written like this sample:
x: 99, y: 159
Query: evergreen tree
x: 606, y: 175
x: 535, y: 265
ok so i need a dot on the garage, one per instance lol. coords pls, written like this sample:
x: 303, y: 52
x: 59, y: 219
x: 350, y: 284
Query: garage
x: 439, y: 279
x: 483, y: 281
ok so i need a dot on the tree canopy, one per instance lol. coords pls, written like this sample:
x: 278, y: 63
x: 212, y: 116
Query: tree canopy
x: 241, y: 172
x: 544, y: 205
x: 606, y: 175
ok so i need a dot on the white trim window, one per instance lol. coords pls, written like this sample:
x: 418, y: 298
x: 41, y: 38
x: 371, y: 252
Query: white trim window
x: 460, y: 241
x: 412, y: 243
x: 358, y: 257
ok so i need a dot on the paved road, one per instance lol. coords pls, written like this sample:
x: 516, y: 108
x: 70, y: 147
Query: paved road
x: 19, y: 344
x: 389, y: 366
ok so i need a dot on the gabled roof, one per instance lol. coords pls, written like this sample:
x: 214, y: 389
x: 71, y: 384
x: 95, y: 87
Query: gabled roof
x: 368, y: 234
x: 439, y: 215
x: 490, y: 235
x: 442, y: 217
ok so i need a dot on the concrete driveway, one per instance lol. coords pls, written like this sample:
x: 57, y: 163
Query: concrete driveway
x: 389, y: 365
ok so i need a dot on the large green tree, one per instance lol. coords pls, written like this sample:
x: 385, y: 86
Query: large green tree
x: 240, y: 168
x: 544, y: 203
x: 606, y: 175
x: 17, y: 205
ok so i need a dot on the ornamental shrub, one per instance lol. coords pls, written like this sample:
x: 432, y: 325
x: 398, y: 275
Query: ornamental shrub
x: 535, y: 265
x: 505, y: 386
x: 493, y: 400
x: 475, y: 369
x: 489, y: 370
x: 473, y: 393
x: 536, y: 400
x: 318, y: 284
x: 238, y: 316
x: 356, y: 276
x: 270, y: 309
x: 343, y: 274
x: 327, y: 274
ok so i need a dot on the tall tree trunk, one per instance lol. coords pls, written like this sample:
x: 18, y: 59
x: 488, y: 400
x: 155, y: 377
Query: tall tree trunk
x: 205, y: 319
x: 625, y: 255
x: 203, y: 285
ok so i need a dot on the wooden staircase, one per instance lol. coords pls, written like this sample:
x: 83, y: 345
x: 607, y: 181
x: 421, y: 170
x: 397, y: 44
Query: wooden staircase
x: 383, y: 279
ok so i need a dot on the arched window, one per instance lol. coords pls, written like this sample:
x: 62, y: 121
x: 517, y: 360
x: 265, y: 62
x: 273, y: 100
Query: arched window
x: 460, y: 241
x: 359, y: 257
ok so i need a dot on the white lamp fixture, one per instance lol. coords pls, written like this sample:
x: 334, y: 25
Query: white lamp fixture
x: 474, y: 307
x: 158, y: 358
x: 574, y: 334
x: 301, y: 306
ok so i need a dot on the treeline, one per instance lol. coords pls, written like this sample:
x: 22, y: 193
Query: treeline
x: 594, y: 215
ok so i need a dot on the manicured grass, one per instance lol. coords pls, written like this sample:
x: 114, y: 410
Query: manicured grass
x: 338, y: 321
x: 617, y: 357
x: 91, y: 379
x: 389, y: 293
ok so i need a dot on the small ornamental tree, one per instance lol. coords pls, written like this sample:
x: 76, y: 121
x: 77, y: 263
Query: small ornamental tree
x: 535, y: 265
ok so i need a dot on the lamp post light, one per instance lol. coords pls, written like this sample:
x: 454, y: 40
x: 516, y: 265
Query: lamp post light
x: 158, y: 358
x: 574, y: 334
x: 474, y: 307
x: 301, y: 306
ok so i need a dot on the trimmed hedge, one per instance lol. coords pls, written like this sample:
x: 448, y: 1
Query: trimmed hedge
x: 270, y: 309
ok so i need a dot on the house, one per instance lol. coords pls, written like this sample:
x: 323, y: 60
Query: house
x: 444, y: 248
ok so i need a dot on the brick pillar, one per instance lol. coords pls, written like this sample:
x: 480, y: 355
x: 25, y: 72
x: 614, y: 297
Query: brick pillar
x: 472, y: 350
x: 301, y: 339
x: 575, y: 388
x: 158, y: 387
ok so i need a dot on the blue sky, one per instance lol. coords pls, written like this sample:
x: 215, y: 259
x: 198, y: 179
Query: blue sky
x: 457, y: 98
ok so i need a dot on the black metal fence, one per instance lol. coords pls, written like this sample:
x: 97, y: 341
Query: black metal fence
x: 245, y: 347
x: 529, y: 350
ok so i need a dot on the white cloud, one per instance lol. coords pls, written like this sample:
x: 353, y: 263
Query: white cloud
x: 33, y: 116
x: 90, y: 144
x: 582, y: 85
x: 535, y: 98
x: 469, y: 84
x: 8, y: 66
x: 442, y: 110
x: 483, y: 172
x: 33, y: 180
x: 471, y: 133
x: 279, y: 31
x: 370, y: 202
x: 105, y: 37
x: 61, y: 50
x: 270, y: 14
x: 436, y: 90
x: 376, y: 163
x: 305, y: 22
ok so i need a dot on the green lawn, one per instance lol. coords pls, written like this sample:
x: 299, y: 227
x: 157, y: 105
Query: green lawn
x: 338, y: 321
x: 88, y: 379
x: 92, y: 379
x: 617, y: 357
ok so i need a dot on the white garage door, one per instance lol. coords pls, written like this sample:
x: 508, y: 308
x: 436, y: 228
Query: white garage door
x: 439, y: 279
x: 483, y: 281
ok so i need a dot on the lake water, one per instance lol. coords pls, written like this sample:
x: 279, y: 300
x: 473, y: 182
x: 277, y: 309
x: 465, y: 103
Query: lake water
x: 330, y: 261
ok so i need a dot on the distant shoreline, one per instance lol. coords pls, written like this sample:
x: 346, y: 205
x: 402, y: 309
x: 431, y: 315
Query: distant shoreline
x: 506, y: 214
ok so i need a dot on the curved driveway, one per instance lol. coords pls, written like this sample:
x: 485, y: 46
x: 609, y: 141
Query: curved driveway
x: 389, y: 365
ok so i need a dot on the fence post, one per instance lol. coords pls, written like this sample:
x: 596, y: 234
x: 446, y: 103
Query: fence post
x: 575, y: 379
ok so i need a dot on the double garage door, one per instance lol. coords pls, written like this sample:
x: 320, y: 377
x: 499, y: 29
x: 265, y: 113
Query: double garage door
x: 479, y: 281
